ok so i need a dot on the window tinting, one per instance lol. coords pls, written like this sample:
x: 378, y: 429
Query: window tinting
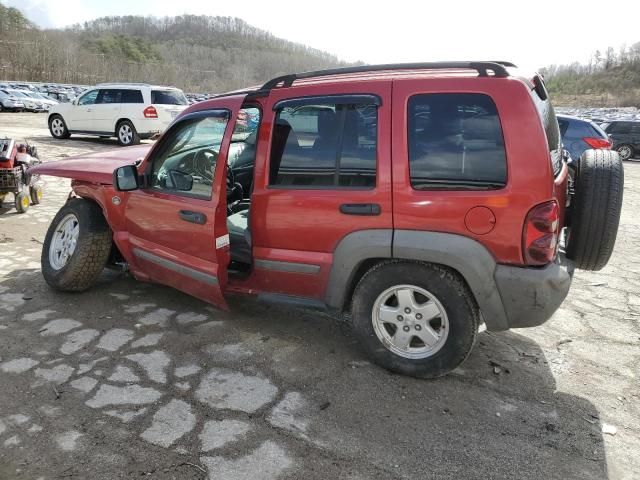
x: 187, y: 159
x: 564, y: 125
x: 552, y: 131
x: 455, y: 141
x: 109, y: 96
x: 168, y: 97
x: 131, y: 96
x: 325, y: 145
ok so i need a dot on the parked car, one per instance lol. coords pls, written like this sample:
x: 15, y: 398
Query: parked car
x: 10, y: 102
x: 30, y: 104
x: 423, y: 199
x: 129, y: 112
x: 47, y: 102
x: 625, y: 136
x: 579, y: 135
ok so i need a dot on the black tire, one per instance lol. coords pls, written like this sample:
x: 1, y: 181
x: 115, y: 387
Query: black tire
x: 595, y: 209
x: 126, y: 134
x: 626, y: 152
x: 35, y: 192
x: 91, y: 251
x: 447, y: 287
x: 58, y: 130
x: 22, y: 202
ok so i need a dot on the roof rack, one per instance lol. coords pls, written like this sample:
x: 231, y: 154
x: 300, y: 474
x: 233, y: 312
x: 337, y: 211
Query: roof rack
x: 497, y: 67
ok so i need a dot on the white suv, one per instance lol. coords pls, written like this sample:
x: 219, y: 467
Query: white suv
x: 128, y: 111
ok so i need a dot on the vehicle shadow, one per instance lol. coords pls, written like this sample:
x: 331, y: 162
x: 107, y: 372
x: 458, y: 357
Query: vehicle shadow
x: 500, y: 415
x: 78, y: 140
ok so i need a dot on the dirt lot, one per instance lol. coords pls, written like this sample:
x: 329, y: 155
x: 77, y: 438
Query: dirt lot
x: 132, y: 380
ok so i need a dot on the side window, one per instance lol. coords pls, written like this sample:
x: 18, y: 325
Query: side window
x: 109, y: 96
x: 564, y: 126
x: 455, y: 141
x: 88, y: 98
x: 186, y: 161
x: 242, y: 151
x: 324, y: 145
x: 131, y: 96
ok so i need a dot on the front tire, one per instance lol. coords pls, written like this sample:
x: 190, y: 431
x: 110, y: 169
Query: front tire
x: 415, y: 319
x: 58, y: 127
x: 76, y: 247
x: 22, y: 202
x: 126, y: 134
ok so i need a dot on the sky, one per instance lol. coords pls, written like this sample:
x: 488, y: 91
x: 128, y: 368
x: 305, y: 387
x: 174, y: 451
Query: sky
x: 530, y: 34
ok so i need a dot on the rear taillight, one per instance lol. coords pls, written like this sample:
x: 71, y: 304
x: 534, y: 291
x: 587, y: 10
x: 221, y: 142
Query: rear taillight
x: 540, y: 236
x: 598, y: 143
x: 150, y: 112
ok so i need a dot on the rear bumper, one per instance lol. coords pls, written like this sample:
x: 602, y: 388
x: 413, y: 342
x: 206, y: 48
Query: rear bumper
x: 149, y: 127
x: 530, y: 296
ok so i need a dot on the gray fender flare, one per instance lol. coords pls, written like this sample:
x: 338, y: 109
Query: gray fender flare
x: 465, y: 255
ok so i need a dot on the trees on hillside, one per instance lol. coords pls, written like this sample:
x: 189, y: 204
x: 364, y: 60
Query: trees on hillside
x: 196, y: 53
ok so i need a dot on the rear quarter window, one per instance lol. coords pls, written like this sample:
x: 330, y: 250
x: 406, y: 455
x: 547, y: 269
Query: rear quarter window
x: 168, y: 97
x: 455, y: 141
x: 131, y: 96
x: 551, y: 129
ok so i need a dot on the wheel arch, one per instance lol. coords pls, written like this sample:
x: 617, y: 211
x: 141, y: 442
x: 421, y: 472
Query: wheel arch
x: 359, y: 251
x: 119, y: 121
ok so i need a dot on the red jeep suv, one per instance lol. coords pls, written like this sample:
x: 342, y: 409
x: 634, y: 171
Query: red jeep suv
x: 422, y: 199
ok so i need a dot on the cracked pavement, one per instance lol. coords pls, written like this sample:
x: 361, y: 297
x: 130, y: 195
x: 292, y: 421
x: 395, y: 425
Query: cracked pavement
x: 132, y: 379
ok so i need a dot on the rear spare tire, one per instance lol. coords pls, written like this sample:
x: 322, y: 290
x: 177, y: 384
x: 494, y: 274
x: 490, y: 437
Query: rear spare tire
x: 595, y: 209
x: 76, y: 247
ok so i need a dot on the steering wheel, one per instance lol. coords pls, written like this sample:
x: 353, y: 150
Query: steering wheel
x: 203, y: 162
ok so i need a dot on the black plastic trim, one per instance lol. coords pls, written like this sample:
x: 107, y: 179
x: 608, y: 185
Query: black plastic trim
x: 176, y: 267
x: 351, y: 99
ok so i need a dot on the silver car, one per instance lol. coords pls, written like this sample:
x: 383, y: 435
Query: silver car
x: 10, y: 102
x: 30, y: 104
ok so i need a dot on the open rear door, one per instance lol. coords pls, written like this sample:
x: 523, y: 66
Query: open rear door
x: 176, y: 231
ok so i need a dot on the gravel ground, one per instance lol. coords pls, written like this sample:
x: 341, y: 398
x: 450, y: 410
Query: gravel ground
x: 130, y: 379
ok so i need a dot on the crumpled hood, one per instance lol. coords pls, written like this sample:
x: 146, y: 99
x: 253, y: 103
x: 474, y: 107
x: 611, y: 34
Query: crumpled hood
x: 93, y: 167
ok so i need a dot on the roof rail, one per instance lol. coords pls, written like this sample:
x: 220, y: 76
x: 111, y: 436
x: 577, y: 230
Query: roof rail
x: 498, y: 69
x: 104, y: 84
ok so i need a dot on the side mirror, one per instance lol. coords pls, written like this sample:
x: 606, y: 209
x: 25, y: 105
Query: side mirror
x: 181, y: 181
x: 125, y: 178
x: 75, y: 101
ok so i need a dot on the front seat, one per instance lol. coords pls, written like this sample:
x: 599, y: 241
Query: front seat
x: 239, y: 237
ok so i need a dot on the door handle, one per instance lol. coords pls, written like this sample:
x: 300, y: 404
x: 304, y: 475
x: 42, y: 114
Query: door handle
x: 360, y: 209
x: 193, y: 217
x: 88, y: 109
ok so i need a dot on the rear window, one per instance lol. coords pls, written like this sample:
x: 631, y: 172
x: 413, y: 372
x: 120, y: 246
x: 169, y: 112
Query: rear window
x: 168, y: 97
x: 455, y: 141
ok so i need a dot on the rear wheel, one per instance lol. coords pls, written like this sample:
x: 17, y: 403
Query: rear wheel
x: 595, y: 209
x: 415, y: 319
x: 626, y: 152
x: 35, y: 192
x: 76, y: 247
x: 22, y: 202
x: 126, y: 134
x: 58, y: 127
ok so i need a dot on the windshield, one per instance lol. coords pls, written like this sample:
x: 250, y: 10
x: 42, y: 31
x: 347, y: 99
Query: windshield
x: 17, y: 93
x: 168, y: 97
